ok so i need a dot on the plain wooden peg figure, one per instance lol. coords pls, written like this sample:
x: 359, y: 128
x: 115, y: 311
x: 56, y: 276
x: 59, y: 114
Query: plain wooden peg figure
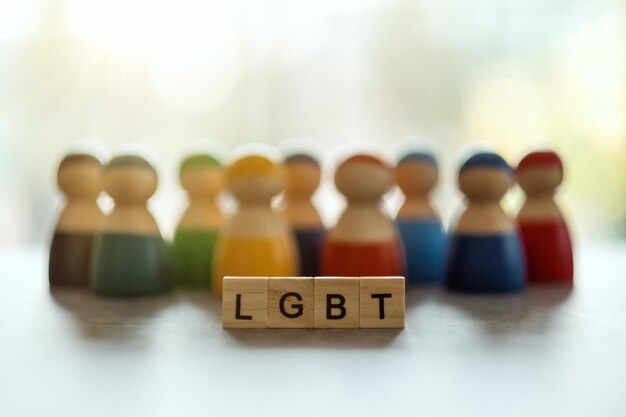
x: 80, y: 178
x: 130, y: 257
x: 544, y: 232
x: 202, y: 177
x: 420, y: 227
x: 302, y: 177
x: 256, y: 240
x: 485, y: 253
x: 364, y: 242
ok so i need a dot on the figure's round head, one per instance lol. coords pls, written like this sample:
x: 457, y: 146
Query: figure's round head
x: 254, y: 179
x: 302, y: 175
x: 540, y: 172
x: 364, y: 177
x: 130, y: 179
x: 417, y: 173
x: 201, y: 175
x: 485, y: 176
x: 80, y: 176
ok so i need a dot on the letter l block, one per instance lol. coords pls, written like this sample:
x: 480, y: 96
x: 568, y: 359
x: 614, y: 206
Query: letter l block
x: 244, y: 302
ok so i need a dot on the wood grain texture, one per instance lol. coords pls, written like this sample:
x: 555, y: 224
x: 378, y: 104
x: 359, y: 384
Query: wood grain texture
x: 336, y: 302
x: 251, y: 309
x: 363, y: 184
x: 540, y: 184
x: 131, y: 187
x: 290, y: 302
x: 81, y: 182
x: 202, y: 184
x: 417, y: 181
x: 301, y: 182
x: 484, y: 187
x: 381, y: 302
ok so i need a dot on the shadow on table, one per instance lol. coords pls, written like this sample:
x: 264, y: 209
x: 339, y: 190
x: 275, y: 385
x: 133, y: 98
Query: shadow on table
x: 204, y: 300
x: 110, y: 318
x: 416, y: 295
x: 532, y: 311
x: 290, y: 338
x: 314, y: 338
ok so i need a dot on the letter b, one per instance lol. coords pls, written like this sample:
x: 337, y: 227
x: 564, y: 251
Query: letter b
x: 338, y: 305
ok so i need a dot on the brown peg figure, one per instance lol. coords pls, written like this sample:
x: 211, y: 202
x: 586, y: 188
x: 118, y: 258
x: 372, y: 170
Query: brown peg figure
x: 79, y: 177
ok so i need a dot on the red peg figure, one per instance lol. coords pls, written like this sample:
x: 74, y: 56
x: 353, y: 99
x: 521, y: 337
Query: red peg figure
x: 364, y: 242
x: 543, y: 230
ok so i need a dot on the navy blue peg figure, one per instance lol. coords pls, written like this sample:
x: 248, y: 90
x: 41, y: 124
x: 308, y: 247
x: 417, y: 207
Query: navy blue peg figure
x: 302, y: 177
x: 485, y: 253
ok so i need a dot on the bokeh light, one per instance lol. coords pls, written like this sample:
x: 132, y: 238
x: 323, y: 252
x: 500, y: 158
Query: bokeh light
x: 512, y: 75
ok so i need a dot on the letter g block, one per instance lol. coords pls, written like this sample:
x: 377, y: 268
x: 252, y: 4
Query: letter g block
x: 290, y: 302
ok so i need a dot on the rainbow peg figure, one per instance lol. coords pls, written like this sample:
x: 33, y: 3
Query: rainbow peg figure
x: 485, y: 253
x: 420, y: 227
x: 365, y: 241
x: 544, y: 232
x: 80, y: 178
x: 129, y: 256
x: 202, y: 177
x: 255, y: 241
x: 302, y: 177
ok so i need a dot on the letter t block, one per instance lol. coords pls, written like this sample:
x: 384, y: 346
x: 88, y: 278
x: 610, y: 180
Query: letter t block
x: 382, y: 302
x: 244, y: 302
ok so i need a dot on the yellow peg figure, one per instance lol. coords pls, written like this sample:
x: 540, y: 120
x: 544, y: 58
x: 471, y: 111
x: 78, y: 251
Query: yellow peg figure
x: 255, y: 241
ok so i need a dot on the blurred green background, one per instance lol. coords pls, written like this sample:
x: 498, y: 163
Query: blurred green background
x: 514, y: 74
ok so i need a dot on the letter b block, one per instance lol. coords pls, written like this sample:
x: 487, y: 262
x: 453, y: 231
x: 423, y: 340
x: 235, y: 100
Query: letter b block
x: 382, y: 302
x: 244, y: 302
x: 290, y: 302
x: 336, y: 302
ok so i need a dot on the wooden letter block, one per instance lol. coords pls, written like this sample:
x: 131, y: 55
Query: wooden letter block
x: 244, y: 302
x: 336, y: 302
x: 382, y: 302
x: 290, y: 302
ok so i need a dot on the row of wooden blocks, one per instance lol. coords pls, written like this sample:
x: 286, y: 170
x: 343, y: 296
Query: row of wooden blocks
x: 306, y: 302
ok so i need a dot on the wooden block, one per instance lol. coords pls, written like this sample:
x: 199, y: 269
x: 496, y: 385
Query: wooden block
x: 336, y: 302
x: 244, y: 302
x: 290, y: 302
x: 382, y: 302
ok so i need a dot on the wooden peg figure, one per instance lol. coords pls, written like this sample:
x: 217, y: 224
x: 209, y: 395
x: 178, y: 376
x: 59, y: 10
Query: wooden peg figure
x: 302, y: 177
x: 130, y: 257
x: 364, y: 242
x: 420, y: 227
x: 544, y: 232
x: 80, y: 178
x: 202, y: 177
x: 256, y: 240
x: 485, y: 253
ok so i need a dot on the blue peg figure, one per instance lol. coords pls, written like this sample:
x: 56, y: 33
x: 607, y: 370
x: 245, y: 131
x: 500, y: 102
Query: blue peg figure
x: 485, y: 253
x: 419, y: 224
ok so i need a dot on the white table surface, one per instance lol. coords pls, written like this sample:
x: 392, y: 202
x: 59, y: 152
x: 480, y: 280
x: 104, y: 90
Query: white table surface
x: 548, y: 352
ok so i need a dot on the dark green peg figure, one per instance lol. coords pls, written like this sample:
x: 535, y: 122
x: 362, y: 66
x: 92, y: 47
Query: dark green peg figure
x: 130, y: 257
